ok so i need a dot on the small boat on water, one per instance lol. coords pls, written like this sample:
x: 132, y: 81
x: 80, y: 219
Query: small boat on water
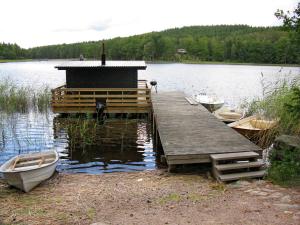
x: 250, y: 127
x: 228, y: 115
x: 210, y: 102
x: 26, y: 171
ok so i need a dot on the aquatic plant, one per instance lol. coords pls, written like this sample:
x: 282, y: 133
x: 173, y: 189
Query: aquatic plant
x: 82, y: 132
x: 21, y: 99
x: 42, y: 99
x: 280, y: 102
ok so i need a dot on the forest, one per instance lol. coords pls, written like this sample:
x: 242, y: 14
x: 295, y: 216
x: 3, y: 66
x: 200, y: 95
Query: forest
x: 221, y: 43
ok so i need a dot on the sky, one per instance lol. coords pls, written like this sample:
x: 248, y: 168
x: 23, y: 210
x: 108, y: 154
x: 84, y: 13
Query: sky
x: 33, y: 23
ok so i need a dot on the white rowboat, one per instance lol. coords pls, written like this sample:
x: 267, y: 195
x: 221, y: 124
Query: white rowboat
x: 210, y: 102
x: 26, y: 171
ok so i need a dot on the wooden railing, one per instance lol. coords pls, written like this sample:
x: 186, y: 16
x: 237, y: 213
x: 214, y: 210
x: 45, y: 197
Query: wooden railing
x: 116, y: 100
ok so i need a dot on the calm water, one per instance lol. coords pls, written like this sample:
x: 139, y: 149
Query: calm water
x: 122, y: 145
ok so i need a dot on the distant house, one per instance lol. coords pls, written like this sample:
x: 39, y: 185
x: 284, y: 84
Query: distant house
x: 181, y: 51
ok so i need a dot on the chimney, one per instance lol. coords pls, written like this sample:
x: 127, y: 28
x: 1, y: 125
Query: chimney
x: 103, y: 55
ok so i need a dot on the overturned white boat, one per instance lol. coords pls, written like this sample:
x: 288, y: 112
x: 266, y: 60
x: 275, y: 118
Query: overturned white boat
x: 210, y: 102
x: 26, y: 171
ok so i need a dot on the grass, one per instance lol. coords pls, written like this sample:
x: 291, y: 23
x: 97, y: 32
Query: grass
x: 173, y: 197
x: 14, y: 60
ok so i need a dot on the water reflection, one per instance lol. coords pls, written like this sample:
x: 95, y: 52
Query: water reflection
x: 117, y: 145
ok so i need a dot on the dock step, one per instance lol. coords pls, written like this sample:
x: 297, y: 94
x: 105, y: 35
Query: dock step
x: 237, y: 155
x: 241, y: 165
x: 235, y: 166
x: 237, y: 176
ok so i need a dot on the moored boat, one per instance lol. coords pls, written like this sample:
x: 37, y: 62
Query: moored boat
x: 228, y: 115
x: 26, y: 171
x: 210, y: 102
x: 252, y: 126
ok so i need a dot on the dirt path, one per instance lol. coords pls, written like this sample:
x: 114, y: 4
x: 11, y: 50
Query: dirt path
x: 149, y: 198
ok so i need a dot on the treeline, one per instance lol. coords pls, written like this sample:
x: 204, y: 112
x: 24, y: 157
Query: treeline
x: 230, y: 43
x: 12, y: 51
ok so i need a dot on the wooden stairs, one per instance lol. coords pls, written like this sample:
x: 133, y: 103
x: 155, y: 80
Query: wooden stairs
x: 235, y: 166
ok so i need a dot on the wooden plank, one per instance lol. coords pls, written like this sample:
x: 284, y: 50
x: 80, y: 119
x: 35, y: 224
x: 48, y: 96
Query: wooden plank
x: 104, y: 96
x: 74, y: 100
x: 241, y: 165
x: 189, y: 161
x: 191, y: 101
x: 236, y: 176
x: 127, y: 104
x: 128, y: 100
x: 72, y: 105
x: 236, y: 155
x: 103, y: 89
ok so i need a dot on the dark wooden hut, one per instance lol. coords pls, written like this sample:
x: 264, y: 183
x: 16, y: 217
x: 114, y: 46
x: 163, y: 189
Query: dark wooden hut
x: 99, y: 74
x: 113, y: 84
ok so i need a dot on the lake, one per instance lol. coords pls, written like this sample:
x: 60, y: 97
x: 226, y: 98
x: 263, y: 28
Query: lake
x: 122, y: 144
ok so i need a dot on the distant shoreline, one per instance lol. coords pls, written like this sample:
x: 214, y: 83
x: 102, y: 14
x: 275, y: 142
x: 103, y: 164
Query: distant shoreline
x: 168, y: 62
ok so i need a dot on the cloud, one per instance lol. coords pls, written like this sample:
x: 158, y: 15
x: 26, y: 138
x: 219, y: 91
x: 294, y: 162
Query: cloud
x: 99, y: 25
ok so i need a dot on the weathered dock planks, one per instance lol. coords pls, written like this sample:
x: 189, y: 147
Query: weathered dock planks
x: 190, y: 133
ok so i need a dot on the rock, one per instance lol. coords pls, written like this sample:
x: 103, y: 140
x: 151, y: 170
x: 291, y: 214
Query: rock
x: 276, y: 195
x: 285, y: 143
x: 287, y: 206
x: 286, y: 199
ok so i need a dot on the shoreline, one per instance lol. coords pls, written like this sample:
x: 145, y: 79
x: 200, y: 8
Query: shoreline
x: 164, y: 62
x: 149, y: 197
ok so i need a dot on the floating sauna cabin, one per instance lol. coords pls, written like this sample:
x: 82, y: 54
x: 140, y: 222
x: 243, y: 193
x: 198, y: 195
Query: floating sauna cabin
x: 114, y: 84
x: 95, y: 74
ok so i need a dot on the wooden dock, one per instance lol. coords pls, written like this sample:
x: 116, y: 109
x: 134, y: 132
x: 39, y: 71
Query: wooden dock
x: 191, y: 134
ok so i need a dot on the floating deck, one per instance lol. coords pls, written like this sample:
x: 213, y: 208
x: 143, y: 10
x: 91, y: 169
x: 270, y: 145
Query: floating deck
x: 189, y: 133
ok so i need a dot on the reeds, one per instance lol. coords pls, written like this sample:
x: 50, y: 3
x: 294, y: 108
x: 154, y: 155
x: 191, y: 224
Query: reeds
x: 282, y: 104
x: 82, y: 132
x: 22, y: 99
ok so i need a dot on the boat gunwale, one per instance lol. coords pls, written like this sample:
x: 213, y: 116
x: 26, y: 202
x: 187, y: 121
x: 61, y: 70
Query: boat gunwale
x: 27, y: 170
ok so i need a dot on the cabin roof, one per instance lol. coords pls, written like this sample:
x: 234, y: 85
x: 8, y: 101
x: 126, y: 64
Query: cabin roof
x: 97, y: 64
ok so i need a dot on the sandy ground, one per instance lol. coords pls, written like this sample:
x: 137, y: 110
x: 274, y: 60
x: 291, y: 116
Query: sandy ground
x: 153, y: 197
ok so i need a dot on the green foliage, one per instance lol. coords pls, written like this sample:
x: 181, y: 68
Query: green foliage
x: 291, y: 22
x: 230, y: 43
x: 11, y: 51
x: 282, y: 104
x: 287, y: 170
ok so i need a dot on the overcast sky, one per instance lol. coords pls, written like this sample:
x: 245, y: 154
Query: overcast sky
x: 42, y: 22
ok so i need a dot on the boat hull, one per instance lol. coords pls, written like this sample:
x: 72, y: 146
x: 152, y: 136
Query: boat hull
x: 28, y: 178
x: 212, y: 107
